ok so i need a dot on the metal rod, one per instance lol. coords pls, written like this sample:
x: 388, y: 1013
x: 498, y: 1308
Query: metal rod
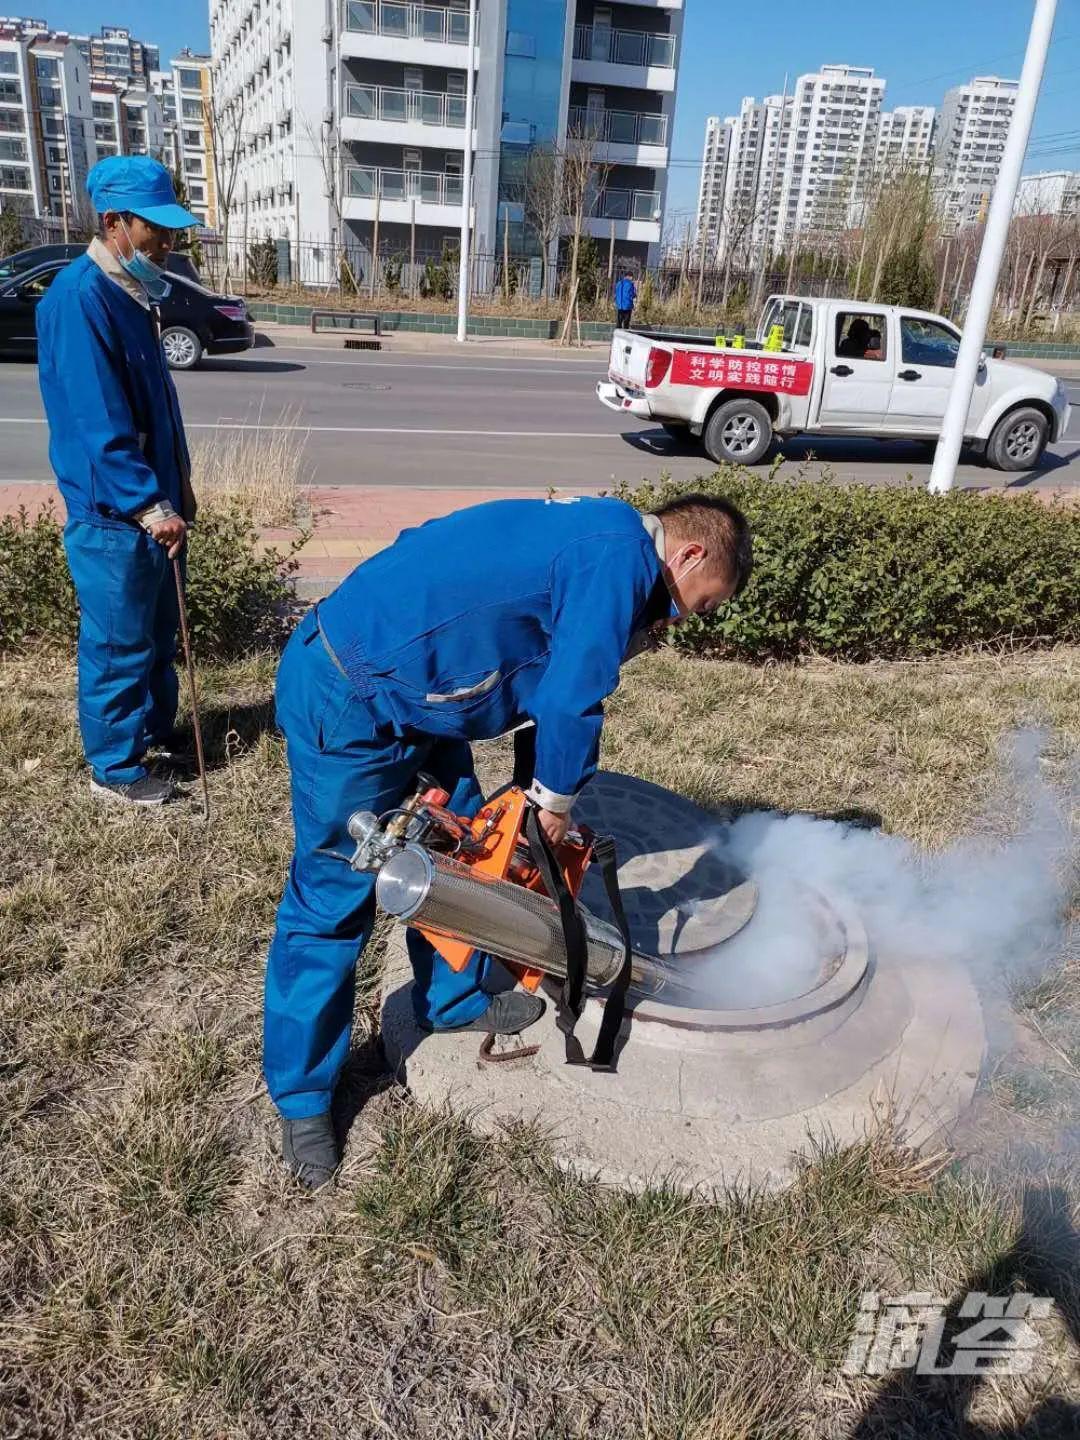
x: 196, y: 724
x: 466, y: 183
x: 995, y: 240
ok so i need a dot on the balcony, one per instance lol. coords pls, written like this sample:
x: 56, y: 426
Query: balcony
x: 624, y: 137
x: 403, y: 117
x: 405, y: 33
x: 603, y: 56
x: 635, y: 215
x: 430, y: 197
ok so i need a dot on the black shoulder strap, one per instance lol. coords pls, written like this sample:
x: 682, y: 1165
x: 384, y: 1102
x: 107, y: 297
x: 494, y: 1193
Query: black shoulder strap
x: 572, y: 999
x: 603, y: 1056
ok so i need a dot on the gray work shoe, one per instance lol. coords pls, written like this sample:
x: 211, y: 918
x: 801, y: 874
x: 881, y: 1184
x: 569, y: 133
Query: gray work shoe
x: 148, y: 792
x: 309, y: 1148
x: 509, y: 1013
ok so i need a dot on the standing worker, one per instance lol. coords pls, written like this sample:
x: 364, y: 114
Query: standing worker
x: 465, y: 628
x: 116, y: 443
x: 625, y: 300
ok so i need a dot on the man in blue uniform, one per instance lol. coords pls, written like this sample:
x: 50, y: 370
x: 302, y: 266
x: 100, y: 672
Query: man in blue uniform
x: 465, y: 628
x: 116, y: 443
x: 625, y: 300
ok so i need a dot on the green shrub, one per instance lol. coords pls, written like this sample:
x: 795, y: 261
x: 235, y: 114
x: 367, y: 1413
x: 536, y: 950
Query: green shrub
x: 238, y: 599
x: 881, y: 573
x: 262, y: 263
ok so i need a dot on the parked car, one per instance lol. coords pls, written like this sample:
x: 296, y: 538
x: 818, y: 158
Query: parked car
x: 845, y: 367
x: 24, y: 260
x: 194, y: 321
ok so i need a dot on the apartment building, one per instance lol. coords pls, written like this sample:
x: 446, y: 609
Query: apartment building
x: 356, y: 112
x: 186, y: 95
x: 831, y: 151
x: 114, y: 54
x: 905, y: 138
x: 714, y: 169
x: 1051, y: 192
x: 969, y: 143
x: 46, y: 128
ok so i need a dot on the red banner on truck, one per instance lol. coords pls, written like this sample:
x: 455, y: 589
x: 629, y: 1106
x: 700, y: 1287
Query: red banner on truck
x: 760, y: 370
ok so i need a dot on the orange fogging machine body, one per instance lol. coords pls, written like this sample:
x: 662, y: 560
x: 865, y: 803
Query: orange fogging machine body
x: 476, y: 883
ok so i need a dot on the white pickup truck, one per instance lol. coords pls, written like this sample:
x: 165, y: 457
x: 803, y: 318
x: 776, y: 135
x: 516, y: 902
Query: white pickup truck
x: 845, y: 368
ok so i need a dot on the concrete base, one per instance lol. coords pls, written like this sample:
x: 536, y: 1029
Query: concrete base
x: 700, y: 1103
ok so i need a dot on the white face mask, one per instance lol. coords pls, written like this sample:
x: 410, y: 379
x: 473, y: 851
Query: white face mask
x: 678, y: 579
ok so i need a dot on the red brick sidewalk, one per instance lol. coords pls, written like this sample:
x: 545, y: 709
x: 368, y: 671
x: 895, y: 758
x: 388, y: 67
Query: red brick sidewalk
x: 349, y: 524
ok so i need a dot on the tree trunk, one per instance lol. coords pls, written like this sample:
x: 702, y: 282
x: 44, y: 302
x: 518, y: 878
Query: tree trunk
x: 1033, y: 299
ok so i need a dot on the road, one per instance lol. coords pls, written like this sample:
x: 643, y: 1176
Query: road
x: 472, y: 420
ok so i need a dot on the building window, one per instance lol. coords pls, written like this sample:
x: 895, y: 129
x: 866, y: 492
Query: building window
x: 9, y: 62
x: 190, y: 79
x: 11, y: 92
x: 46, y: 69
x: 12, y: 149
x: 193, y: 139
x: 192, y: 109
x: 49, y: 97
x: 14, y: 177
x: 196, y: 192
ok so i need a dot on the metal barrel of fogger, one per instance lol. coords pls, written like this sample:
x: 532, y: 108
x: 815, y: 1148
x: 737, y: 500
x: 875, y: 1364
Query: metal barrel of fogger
x: 444, y: 896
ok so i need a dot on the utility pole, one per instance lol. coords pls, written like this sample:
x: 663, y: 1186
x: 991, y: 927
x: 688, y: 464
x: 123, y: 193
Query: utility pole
x: 995, y: 240
x: 466, y: 183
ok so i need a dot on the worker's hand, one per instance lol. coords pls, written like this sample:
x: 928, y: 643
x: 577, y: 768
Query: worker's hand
x: 554, y: 826
x: 171, y: 532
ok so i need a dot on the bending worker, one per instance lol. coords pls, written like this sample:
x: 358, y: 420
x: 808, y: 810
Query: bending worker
x: 465, y: 628
x: 116, y: 443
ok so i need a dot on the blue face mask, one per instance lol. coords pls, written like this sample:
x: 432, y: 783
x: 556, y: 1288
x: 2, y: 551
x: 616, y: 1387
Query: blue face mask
x: 141, y: 268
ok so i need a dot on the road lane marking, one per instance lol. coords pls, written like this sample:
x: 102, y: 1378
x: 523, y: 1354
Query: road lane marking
x: 370, y: 430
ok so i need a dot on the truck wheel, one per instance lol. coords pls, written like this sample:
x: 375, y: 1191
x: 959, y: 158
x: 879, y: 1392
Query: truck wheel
x: 739, y: 432
x: 1019, y: 440
x: 183, y: 348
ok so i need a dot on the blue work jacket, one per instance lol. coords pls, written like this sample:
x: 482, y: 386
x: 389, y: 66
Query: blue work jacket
x: 116, y: 440
x: 517, y: 610
x: 625, y: 293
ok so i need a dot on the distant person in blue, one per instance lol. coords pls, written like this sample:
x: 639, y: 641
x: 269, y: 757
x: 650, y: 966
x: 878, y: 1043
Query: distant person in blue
x: 625, y: 300
x: 116, y: 443
x: 468, y: 627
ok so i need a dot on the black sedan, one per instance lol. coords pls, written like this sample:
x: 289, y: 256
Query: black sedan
x: 23, y: 261
x: 194, y: 321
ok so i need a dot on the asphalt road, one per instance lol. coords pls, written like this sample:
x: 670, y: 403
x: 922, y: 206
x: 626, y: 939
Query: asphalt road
x: 440, y: 419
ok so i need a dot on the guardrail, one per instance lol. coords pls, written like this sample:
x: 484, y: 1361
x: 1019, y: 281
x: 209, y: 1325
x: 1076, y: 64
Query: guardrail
x: 624, y: 47
x: 407, y: 22
x: 424, y: 107
x: 620, y: 127
x: 429, y: 187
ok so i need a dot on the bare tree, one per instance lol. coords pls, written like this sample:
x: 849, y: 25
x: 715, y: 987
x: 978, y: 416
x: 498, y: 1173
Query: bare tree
x: 544, y: 202
x: 225, y: 122
x: 584, y: 178
x: 324, y: 144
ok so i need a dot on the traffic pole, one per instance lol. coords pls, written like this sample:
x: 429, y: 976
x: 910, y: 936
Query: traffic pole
x: 466, y: 183
x: 995, y: 239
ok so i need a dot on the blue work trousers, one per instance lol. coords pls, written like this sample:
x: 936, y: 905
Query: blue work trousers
x: 340, y: 762
x: 127, y: 686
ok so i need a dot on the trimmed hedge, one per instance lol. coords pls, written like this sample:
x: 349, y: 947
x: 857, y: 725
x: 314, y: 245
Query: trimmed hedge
x: 238, y: 599
x: 864, y: 573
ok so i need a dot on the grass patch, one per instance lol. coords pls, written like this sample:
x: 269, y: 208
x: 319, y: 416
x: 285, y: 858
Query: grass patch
x: 158, y: 1277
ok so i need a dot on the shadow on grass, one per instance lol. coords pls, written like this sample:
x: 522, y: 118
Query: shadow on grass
x: 1044, y: 1262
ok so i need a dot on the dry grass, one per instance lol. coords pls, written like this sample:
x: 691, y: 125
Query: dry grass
x: 265, y: 468
x: 159, y: 1277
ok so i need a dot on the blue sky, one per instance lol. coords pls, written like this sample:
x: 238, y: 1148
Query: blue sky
x: 734, y: 49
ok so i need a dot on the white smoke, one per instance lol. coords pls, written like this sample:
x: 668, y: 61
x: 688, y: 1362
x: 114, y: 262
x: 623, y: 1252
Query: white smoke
x: 998, y: 904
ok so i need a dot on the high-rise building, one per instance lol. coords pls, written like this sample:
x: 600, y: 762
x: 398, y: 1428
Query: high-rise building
x: 1053, y: 193
x: 114, y: 54
x: 831, y: 150
x: 188, y: 96
x: 714, y: 168
x: 905, y: 138
x: 970, y: 142
x: 47, y: 140
x: 366, y: 102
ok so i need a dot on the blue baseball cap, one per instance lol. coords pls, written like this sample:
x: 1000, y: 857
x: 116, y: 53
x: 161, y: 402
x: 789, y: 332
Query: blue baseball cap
x: 140, y: 184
